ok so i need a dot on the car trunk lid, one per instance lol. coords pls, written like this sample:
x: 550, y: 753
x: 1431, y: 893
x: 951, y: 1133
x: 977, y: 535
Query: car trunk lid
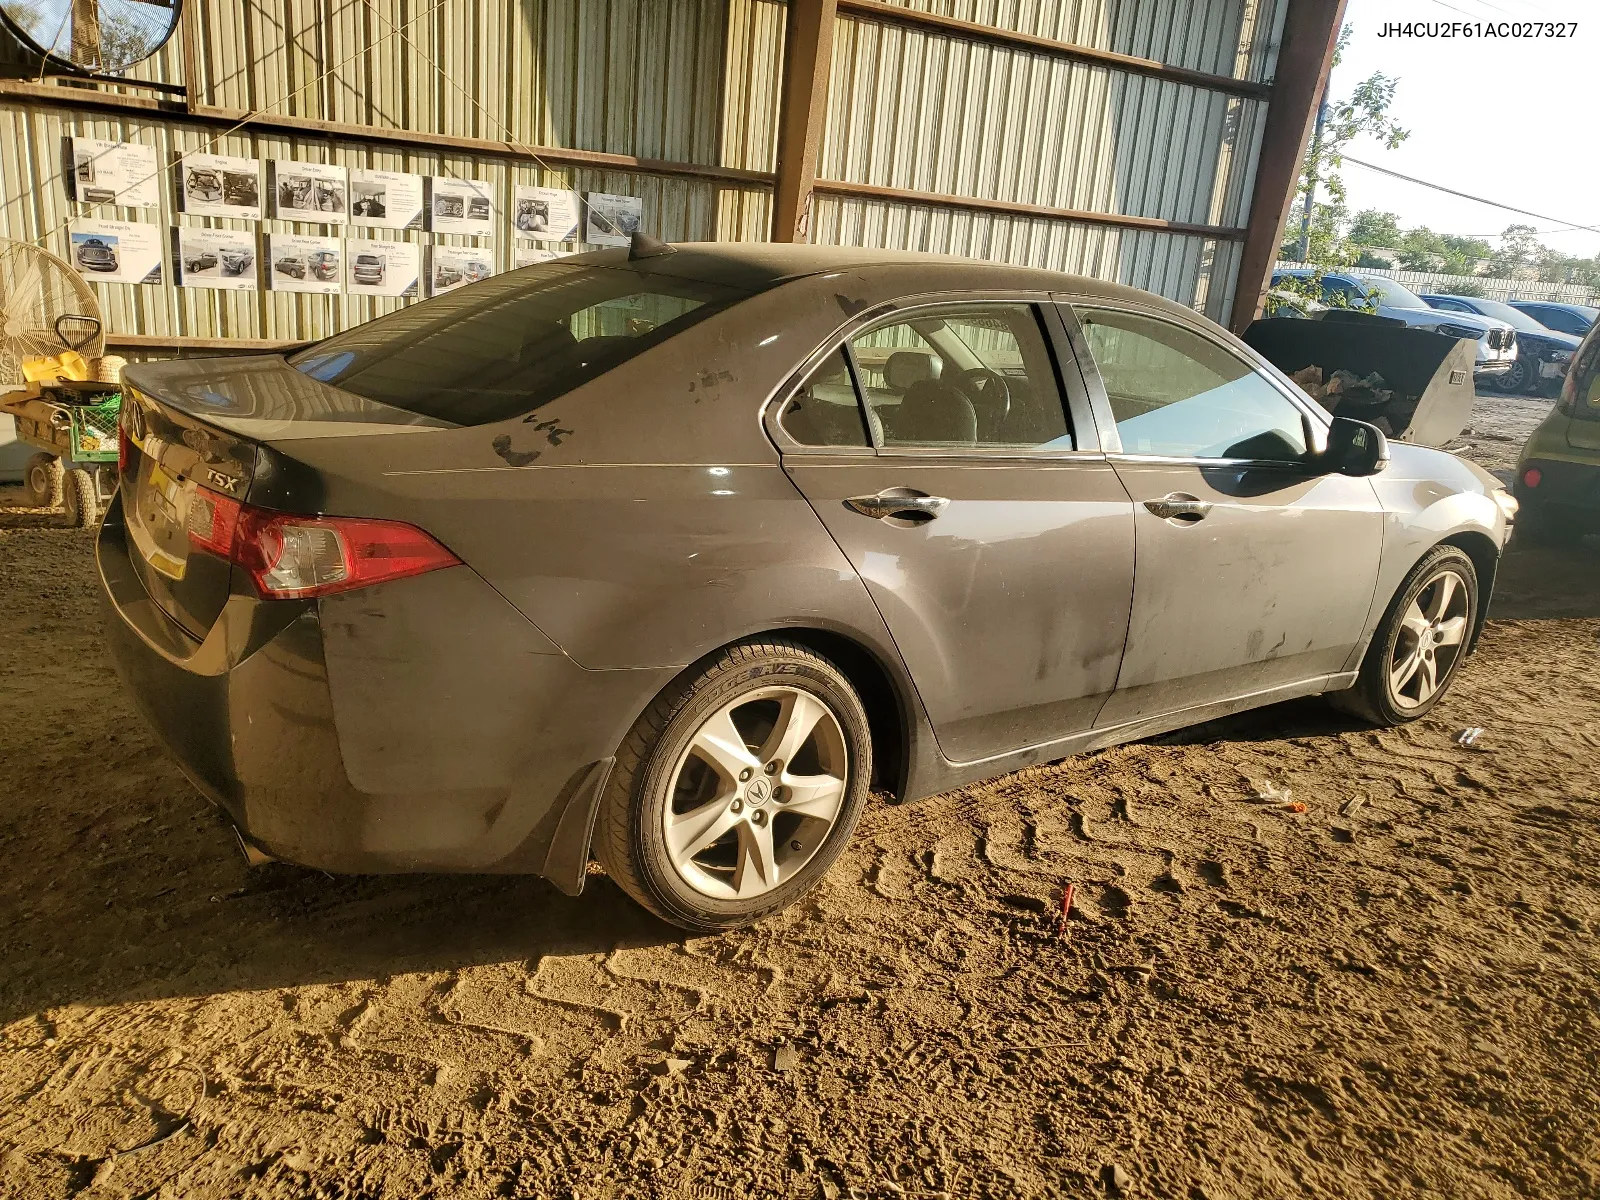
x: 195, y: 430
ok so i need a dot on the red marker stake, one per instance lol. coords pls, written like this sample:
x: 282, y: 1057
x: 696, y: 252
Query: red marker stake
x: 1066, y: 907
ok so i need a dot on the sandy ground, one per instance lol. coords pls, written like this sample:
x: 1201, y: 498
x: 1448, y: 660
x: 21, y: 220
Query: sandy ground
x: 1399, y: 1000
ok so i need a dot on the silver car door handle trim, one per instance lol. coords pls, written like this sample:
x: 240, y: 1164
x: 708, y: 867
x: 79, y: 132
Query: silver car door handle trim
x: 879, y: 507
x: 1180, y: 507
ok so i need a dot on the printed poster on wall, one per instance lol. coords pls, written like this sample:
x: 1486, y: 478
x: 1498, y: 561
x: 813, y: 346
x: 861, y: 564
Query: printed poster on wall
x: 528, y: 256
x: 547, y: 214
x: 613, y: 220
x: 114, y: 173
x: 387, y: 199
x: 375, y: 268
x: 303, y: 263
x: 460, y: 206
x: 216, y: 258
x: 220, y: 185
x: 116, y: 251
x: 310, y: 192
x: 457, y: 266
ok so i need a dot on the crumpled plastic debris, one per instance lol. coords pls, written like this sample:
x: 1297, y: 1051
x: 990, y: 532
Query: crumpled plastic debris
x: 1343, y: 388
x: 1469, y: 737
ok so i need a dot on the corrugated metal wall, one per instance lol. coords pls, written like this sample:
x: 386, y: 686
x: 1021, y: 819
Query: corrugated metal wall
x: 926, y: 111
x: 698, y: 81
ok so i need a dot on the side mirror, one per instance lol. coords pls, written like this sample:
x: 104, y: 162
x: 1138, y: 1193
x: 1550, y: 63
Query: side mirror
x: 1355, y: 448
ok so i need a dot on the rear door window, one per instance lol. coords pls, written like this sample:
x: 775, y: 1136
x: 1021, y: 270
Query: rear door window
x: 962, y: 377
x: 503, y: 347
x: 824, y: 411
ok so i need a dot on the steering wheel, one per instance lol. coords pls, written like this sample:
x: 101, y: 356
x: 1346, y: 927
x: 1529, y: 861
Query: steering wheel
x: 990, y: 395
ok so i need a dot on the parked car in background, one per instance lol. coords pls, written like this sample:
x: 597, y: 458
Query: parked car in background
x: 237, y: 262
x: 1576, y: 319
x: 1497, y: 339
x: 1558, y: 473
x: 897, y: 551
x: 1543, y: 354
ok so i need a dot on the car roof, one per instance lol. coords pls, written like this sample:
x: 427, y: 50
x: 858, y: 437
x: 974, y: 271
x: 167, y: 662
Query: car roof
x: 758, y: 266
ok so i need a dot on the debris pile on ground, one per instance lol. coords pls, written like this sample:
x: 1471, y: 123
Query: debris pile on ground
x: 1344, y: 389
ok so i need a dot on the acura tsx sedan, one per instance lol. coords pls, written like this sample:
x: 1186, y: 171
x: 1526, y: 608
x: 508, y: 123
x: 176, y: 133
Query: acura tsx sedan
x: 669, y: 556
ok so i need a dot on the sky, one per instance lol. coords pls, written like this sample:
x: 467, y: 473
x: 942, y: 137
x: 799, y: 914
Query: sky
x: 1509, y: 120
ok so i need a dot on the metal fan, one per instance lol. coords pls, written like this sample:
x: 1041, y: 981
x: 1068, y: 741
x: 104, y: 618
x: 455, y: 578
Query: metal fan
x: 45, y: 308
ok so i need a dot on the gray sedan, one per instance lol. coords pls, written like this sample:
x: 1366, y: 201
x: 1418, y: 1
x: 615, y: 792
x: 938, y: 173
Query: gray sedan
x: 668, y: 556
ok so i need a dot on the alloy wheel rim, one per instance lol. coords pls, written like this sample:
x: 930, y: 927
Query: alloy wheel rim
x: 1432, y: 635
x: 756, y: 793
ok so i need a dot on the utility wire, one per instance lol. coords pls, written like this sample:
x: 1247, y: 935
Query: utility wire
x: 1467, y: 195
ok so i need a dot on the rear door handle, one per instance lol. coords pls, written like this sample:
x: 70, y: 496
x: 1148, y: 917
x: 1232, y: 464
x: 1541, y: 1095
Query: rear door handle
x: 1179, y: 507
x: 909, y: 507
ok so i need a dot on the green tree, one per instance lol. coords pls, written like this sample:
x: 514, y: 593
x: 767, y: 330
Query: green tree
x: 1520, y: 250
x: 1374, y: 228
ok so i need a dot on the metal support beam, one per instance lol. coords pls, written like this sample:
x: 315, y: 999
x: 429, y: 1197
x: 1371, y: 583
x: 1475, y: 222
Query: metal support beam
x: 1310, y: 33
x: 807, y: 61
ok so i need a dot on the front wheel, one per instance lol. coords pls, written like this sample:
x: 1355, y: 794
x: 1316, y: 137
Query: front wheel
x: 1420, y: 643
x: 738, y: 788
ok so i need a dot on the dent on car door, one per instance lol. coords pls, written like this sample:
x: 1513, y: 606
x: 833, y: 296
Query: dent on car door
x: 1254, y: 570
x: 994, y: 537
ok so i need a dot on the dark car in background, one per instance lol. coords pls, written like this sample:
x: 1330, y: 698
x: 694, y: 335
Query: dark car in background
x: 1543, y: 354
x: 1558, y: 473
x: 1576, y: 319
x: 674, y: 553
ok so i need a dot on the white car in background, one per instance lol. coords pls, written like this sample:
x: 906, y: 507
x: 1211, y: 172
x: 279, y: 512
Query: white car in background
x: 1497, y: 340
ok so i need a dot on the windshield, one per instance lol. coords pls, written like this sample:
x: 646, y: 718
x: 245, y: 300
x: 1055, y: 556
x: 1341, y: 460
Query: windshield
x: 1391, y: 294
x: 1516, y: 318
x: 505, y: 346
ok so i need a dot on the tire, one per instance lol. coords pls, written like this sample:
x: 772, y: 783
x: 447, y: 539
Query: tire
x: 664, y: 771
x: 80, y: 499
x: 41, y: 477
x: 1514, y: 381
x: 1399, y: 641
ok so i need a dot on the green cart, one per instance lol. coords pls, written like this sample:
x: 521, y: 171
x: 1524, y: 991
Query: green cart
x: 72, y: 426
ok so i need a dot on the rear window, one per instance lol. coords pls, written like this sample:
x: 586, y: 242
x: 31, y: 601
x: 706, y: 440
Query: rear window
x: 503, y: 347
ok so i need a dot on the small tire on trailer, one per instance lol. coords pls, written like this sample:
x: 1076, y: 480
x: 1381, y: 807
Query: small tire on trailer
x: 80, y: 498
x: 42, y: 480
x: 1420, y: 644
x: 738, y: 787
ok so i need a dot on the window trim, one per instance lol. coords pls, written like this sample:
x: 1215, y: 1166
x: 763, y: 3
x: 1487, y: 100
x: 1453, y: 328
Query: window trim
x: 1072, y: 386
x: 1317, y: 420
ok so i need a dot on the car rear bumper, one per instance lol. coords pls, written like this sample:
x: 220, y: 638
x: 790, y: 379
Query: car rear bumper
x: 420, y: 725
x: 1568, y: 492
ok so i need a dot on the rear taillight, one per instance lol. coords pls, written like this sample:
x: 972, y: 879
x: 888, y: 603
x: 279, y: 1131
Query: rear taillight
x: 1533, y: 477
x: 124, y: 449
x: 292, y: 557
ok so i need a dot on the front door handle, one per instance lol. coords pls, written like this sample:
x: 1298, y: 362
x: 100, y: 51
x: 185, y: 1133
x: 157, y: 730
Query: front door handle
x: 907, y: 506
x: 1179, y: 506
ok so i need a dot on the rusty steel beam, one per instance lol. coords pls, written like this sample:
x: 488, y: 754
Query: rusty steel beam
x: 1310, y: 34
x: 84, y: 100
x: 899, y: 15
x: 836, y: 187
x: 807, y: 62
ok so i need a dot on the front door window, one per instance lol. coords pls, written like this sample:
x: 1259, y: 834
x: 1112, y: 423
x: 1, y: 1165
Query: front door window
x: 1177, y: 394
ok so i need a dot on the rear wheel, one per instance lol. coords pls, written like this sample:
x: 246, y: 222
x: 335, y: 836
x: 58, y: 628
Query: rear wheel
x: 79, y: 496
x: 1420, y: 643
x: 737, y: 789
x: 41, y: 477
